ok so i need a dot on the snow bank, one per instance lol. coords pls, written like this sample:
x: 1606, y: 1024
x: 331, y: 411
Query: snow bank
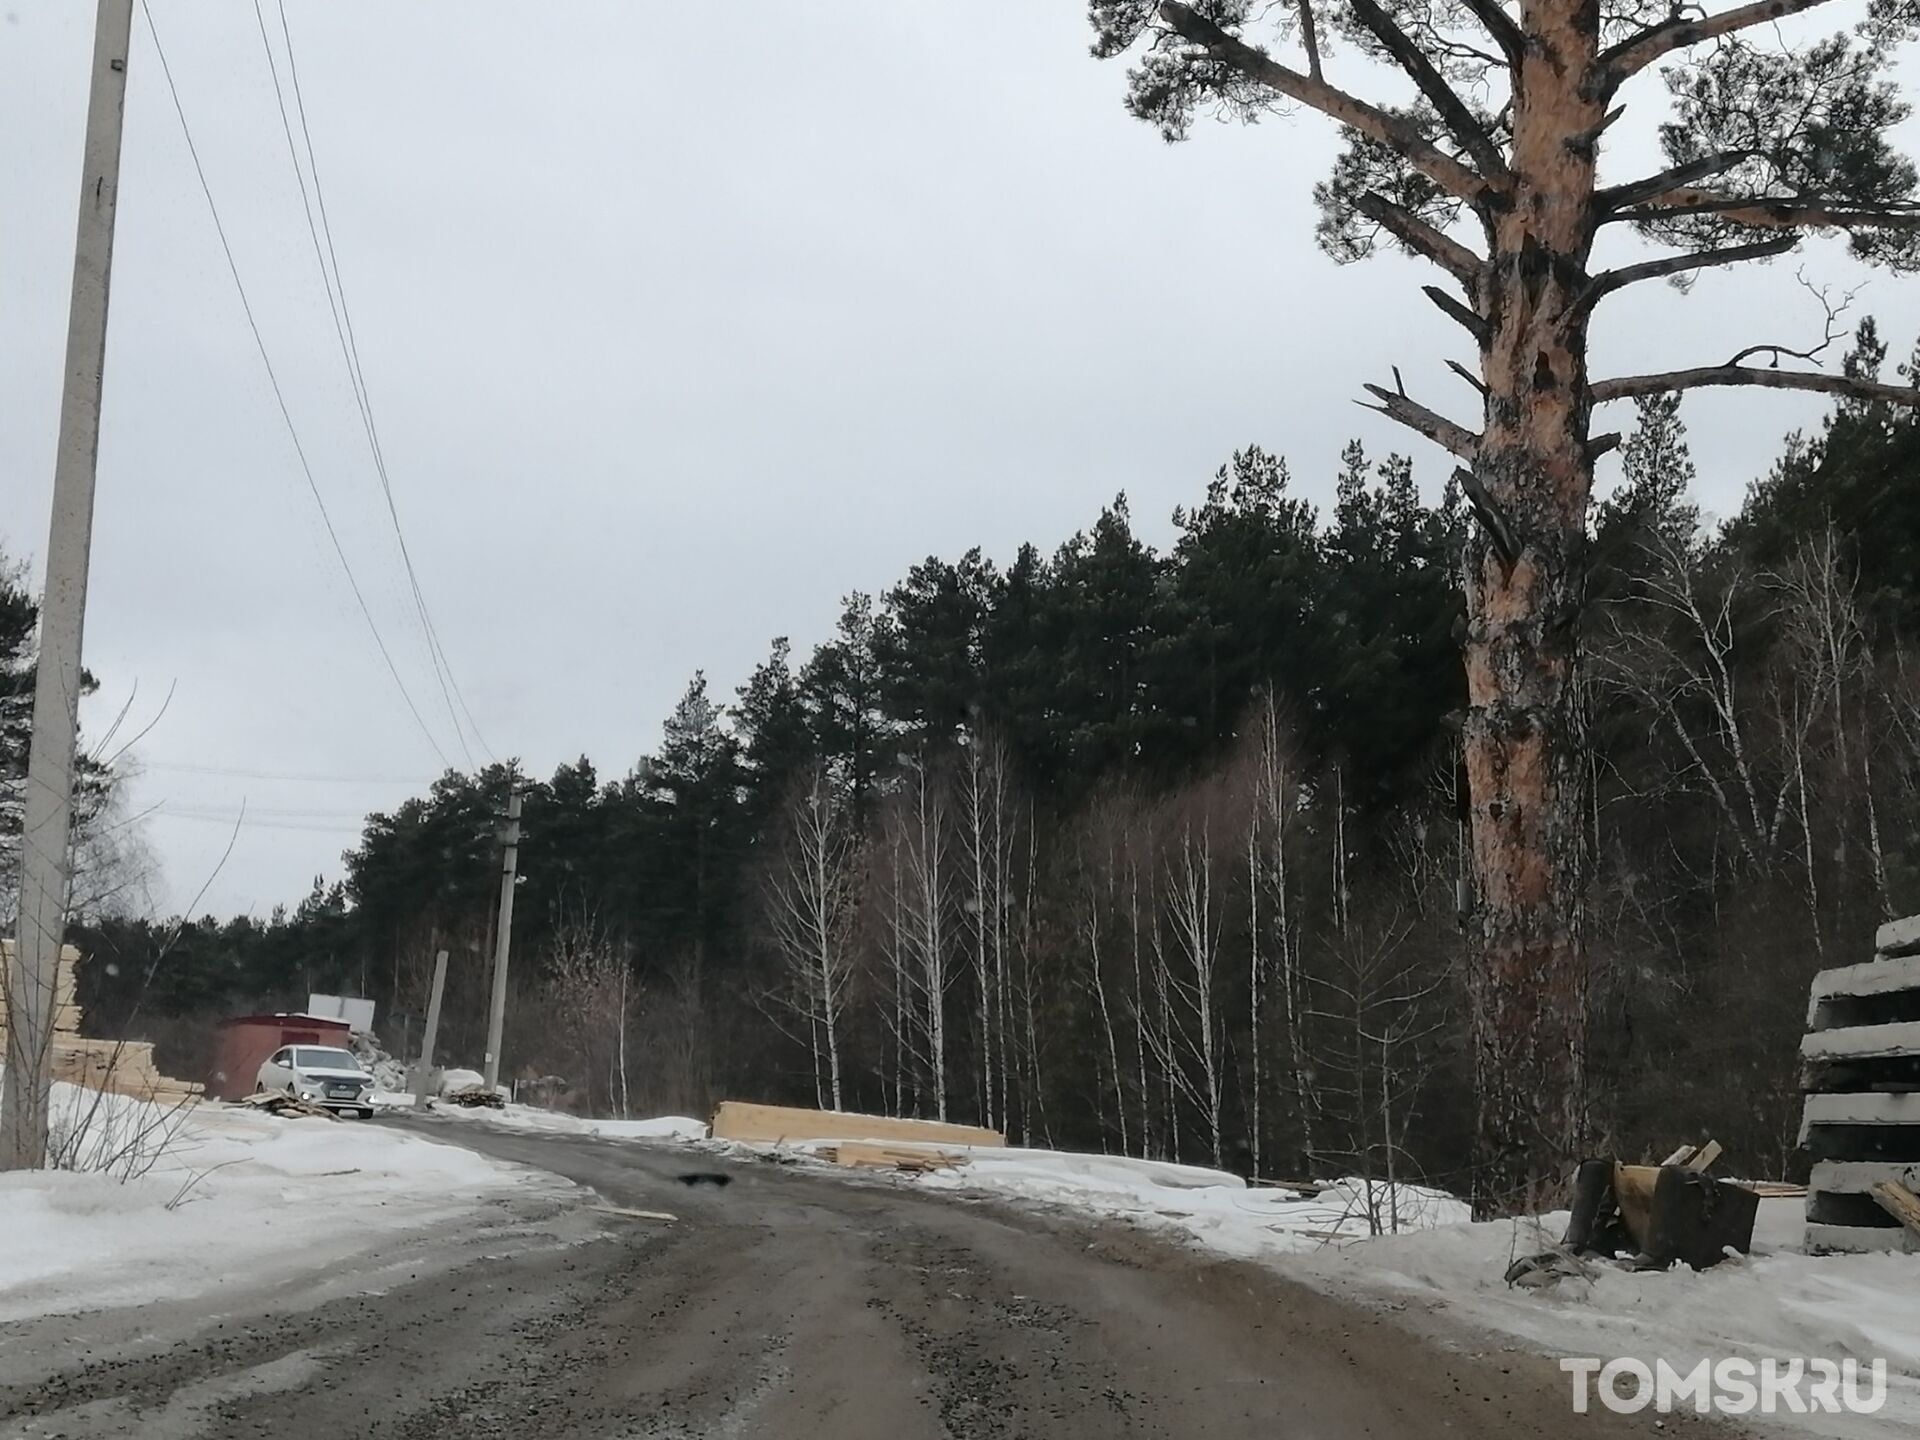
x: 553, y: 1122
x: 238, y: 1197
x: 1218, y: 1210
x: 1777, y: 1302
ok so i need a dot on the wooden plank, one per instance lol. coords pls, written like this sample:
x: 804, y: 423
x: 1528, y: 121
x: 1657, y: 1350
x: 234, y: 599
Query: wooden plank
x: 1680, y: 1156
x: 1862, y: 1042
x: 1899, y: 1202
x: 1704, y: 1156
x: 1898, y: 937
x: 1865, y: 1108
x: 1860, y: 1239
x: 1875, y: 977
x: 775, y: 1124
x: 1858, y: 1177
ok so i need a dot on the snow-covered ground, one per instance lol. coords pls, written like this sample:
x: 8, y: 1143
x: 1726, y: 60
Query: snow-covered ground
x: 1777, y: 1301
x: 553, y: 1122
x: 1215, y: 1209
x: 236, y: 1198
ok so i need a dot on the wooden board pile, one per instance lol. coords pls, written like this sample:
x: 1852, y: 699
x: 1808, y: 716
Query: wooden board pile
x: 121, y: 1067
x: 291, y: 1107
x: 66, y: 1011
x: 1860, y: 1069
x: 908, y: 1160
x: 782, y: 1124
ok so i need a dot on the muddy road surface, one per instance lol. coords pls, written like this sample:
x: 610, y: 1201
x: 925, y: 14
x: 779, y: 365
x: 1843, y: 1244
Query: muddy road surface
x: 783, y: 1305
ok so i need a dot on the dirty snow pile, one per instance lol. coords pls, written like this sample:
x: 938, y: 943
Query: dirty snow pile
x: 1777, y: 1301
x: 232, y: 1197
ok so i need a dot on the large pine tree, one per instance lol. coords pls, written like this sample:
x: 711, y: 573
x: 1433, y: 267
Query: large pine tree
x: 1768, y: 140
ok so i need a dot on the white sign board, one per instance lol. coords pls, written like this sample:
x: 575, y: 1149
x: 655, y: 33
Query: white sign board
x: 357, y: 1013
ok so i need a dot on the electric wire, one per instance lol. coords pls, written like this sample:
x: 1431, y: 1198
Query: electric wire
x: 350, y: 352
x: 279, y: 395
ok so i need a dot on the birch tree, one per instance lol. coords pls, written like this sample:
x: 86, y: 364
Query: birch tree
x: 1493, y: 175
x: 812, y: 903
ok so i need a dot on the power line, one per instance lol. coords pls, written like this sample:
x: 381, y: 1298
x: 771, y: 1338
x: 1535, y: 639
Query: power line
x: 181, y: 768
x: 350, y: 352
x: 279, y: 396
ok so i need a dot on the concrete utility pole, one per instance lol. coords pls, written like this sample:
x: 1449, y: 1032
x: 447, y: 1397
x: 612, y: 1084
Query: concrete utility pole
x: 45, y: 864
x: 497, y: 1018
x: 423, y: 1076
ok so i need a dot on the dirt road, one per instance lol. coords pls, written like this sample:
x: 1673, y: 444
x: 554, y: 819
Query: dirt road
x: 780, y: 1305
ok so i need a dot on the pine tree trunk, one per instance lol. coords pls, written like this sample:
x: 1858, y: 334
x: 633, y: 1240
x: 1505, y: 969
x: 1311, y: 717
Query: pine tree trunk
x: 1525, y: 588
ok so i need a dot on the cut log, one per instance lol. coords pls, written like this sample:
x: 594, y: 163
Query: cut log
x: 776, y: 1124
x: 1898, y: 1201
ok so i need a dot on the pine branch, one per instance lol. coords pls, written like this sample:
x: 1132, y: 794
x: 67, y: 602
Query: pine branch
x: 1605, y: 283
x: 1635, y: 53
x: 1629, y: 386
x: 1474, y: 323
x: 1452, y: 109
x: 1677, y: 177
x: 1421, y: 238
x: 1394, y: 131
x: 1765, y: 214
x: 1501, y: 26
x: 1488, y: 513
x: 1396, y: 405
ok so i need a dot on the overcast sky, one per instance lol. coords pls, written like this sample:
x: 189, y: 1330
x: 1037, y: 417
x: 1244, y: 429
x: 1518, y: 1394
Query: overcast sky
x: 679, y: 322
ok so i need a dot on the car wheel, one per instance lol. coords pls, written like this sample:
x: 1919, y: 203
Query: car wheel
x: 366, y: 1112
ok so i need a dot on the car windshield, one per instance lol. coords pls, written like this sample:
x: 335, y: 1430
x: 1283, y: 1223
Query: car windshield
x: 306, y: 1059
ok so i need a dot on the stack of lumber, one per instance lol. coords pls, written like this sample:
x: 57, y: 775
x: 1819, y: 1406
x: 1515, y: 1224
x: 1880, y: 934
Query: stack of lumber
x: 868, y: 1155
x: 781, y: 1124
x: 122, y: 1067
x: 1860, y: 1070
x: 66, y: 1014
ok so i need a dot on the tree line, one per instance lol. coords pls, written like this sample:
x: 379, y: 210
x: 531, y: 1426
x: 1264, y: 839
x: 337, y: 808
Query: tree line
x: 1168, y: 853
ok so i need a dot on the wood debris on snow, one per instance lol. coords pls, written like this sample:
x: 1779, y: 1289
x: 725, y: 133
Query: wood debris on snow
x: 278, y: 1102
x: 872, y: 1156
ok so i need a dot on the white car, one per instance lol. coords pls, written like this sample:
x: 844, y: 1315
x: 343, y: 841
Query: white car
x: 325, y: 1076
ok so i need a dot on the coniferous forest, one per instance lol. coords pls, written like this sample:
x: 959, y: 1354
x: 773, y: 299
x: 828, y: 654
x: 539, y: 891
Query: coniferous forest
x: 1162, y: 852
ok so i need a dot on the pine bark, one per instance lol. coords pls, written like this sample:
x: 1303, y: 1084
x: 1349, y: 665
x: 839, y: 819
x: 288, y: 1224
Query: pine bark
x: 1523, y: 730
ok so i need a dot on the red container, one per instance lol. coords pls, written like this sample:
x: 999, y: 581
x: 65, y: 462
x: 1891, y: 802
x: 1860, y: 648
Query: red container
x: 246, y: 1040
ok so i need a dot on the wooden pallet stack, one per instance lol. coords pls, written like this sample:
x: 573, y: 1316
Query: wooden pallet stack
x: 1861, y: 1071
x: 124, y: 1067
